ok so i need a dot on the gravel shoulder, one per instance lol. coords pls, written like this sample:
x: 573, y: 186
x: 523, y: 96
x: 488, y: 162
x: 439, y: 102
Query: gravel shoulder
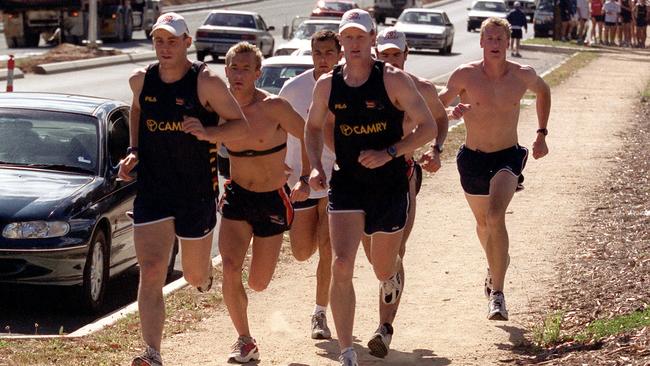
x: 442, y: 317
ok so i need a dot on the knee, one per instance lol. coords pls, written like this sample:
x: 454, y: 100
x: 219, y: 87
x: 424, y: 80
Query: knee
x: 231, y: 269
x: 495, y: 217
x: 384, y: 274
x: 195, y: 278
x: 258, y: 284
x: 303, y: 250
x: 342, y: 269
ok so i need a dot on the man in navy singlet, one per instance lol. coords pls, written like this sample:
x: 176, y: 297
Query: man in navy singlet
x: 175, y: 109
x: 369, y: 184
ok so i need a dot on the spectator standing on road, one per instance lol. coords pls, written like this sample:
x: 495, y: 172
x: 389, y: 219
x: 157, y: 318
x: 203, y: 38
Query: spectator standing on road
x: 175, y: 109
x: 612, y: 11
x: 597, y: 21
x: 518, y: 21
x: 583, y: 18
x: 641, y: 17
x: 625, y: 39
x: 491, y: 161
x: 310, y: 229
x: 368, y: 99
x: 566, y: 16
x: 255, y: 206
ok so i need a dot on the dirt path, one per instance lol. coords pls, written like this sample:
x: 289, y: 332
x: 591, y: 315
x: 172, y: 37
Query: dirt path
x: 442, y: 317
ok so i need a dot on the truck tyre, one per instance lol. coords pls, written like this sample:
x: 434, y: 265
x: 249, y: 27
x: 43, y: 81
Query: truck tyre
x: 200, y: 55
x: 32, y: 38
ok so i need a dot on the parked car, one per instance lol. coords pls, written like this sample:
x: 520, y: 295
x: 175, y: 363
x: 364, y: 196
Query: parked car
x: 332, y: 8
x: 527, y: 6
x: 300, y: 36
x: 223, y: 29
x: 277, y: 70
x: 427, y: 29
x: 543, y: 20
x: 483, y: 9
x: 62, y: 209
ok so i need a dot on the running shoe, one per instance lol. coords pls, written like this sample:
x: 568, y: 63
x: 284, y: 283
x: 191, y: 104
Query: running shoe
x: 150, y: 357
x: 379, y: 344
x: 391, y: 289
x: 497, y: 307
x: 348, y: 359
x: 319, y: 329
x: 244, y: 350
x: 207, y: 287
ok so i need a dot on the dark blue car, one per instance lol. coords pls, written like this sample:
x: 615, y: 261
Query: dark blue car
x: 62, y: 209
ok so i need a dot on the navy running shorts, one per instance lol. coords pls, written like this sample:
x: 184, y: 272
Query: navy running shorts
x: 269, y: 213
x: 516, y: 34
x: 384, y: 213
x: 477, y: 168
x: 193, y: 219
x: 415, y: 172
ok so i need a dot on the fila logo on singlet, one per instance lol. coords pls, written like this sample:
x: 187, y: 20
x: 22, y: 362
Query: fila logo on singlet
x: 150, y: 99
x: 340, y: 106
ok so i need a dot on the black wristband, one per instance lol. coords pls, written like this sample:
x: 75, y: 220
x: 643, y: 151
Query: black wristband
x: 131, y: 149
x: 543, y: 131
x: 304, y: 179
x: 437, y: 148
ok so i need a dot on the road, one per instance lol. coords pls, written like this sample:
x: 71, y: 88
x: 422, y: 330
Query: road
x: 21, y: 315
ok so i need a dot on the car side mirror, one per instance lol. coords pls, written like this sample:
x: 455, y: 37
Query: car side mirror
x: 271, y: 28
x: 285, y: 32
x: 390, y: 22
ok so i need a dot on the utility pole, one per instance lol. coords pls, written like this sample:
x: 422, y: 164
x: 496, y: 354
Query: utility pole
x: 92, y: 24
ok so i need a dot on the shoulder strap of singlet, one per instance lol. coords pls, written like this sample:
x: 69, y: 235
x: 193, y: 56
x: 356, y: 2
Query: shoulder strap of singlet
x: 252, y: 153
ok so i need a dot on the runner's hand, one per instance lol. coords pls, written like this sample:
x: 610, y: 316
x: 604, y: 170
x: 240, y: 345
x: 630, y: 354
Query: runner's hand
x: 195, y: 127
x: 317, y: 180
x: 459, y: 110
x: 539, y: 148
x: 372, y: 159
x: 430, y: 161
x: 126, y: 165
x: 300, y: 191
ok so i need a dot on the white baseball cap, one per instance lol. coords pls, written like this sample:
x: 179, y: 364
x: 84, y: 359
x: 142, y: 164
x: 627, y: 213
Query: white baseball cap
x: 391, y: 38
x: 356, y: 18
x: 173, y: 23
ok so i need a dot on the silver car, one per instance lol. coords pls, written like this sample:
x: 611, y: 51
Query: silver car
x: 223, y: 29
x: 427, y: 29
x: 278, y: 69
x: 300, y: 37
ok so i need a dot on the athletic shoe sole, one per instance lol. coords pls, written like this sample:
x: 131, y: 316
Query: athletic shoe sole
x: 498, y: 317
x: 319, y: 336
x: 377, y: 347
x: 253, y: 356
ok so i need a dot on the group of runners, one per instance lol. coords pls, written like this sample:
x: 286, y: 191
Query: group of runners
x: 331, y: 159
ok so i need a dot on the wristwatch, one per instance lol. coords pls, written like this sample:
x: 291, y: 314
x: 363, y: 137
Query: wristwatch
x: 543, y: 131
x: 437, y: 148
x: 392, y: 151
x: 131, y: 149
x: 304, y: 179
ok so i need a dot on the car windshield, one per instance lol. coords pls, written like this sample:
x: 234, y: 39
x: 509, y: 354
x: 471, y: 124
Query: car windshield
x: 273, y: 77
x: 56, y: 140
x: 231, y: 20
x: 306, y: 30
x: 335, y: 5
x: 490, y: 6
x: 413, y: 17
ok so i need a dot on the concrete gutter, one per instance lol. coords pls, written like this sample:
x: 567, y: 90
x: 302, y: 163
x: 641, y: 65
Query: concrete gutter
x: 560, y: 49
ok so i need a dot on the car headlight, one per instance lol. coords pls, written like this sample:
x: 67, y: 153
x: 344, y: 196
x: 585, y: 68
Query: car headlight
x: 35, y: 230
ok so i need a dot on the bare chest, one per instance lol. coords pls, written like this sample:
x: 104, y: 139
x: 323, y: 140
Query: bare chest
x: 488, y: 96
x: 264, y: 128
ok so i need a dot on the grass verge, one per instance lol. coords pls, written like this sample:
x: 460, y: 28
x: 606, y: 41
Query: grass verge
x: 551, y: 42
x: 549, y: 332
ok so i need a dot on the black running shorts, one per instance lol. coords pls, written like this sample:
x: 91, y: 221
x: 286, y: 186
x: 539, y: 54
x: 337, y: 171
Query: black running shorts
x: 477, y: 168
x: 269, y: 213
x: 415, y: 172
x: 516, y: 34
x: 303, y: 205
x: 193, y: 219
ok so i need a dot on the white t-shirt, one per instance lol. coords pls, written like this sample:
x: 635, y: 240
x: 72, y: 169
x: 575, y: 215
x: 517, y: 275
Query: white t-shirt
x: 299, y: 91
x: 611, y: 9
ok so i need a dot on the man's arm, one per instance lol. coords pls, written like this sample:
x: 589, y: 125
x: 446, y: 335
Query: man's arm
x: 314, y: 131
x: 136, y: 82
x: 431, y: 159
x: 213, y: 91
x: 543, y: 105
x: 293, y: 123
x: 455, y: 86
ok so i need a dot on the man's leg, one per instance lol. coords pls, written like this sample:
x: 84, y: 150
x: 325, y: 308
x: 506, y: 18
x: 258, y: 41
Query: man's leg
x: 266, y: 251
x: 153, y: 245
x: 234, y: 238
x: 324, y: 271
x: 346, y: 229
x: 303, y: 234
x: 197, y: 261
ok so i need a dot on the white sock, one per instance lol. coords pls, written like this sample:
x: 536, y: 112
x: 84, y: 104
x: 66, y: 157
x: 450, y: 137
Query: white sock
x: 346, y: 350
x: 319, y: 309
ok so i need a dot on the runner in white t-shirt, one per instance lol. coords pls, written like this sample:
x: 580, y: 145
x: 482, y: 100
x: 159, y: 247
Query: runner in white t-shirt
x: 612, y: 11
x: 310, y: 229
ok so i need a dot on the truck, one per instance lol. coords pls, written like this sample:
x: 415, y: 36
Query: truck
x: 25, y: 21
x: 383, y: 9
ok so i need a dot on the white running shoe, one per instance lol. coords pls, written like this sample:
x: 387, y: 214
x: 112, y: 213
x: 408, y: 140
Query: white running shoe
x: 348, y: 358
x: 244, y: 350
x: 150, y: 357
x: 497, y: 306
x: 319, y: 328
x: 379, y: 344
x: 391, y: 289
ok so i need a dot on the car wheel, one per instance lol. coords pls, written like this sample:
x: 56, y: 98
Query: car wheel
x: 470, y: 29
x: 200, y: 55
x: 448, y: 50
x: 172, y: 259
x: 95, y: 275
x: 270, y: 54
